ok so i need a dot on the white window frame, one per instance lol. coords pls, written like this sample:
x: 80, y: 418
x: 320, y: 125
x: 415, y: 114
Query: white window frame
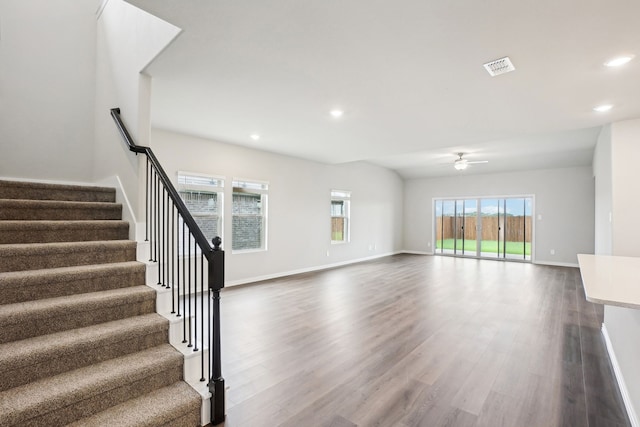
x: 345, y: 197
x: 252, y: 186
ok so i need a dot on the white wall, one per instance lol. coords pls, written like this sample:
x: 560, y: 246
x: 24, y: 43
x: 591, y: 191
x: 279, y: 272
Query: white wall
x: 299, y: 204
x: 603, y: 197
x: 564, y: 198
x: 623, y: 324
x: 47, y: 75
x: 128, y: 39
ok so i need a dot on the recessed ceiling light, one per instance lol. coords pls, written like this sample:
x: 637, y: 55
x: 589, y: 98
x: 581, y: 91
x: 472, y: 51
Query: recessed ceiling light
x: 255, y: 136
x: 619, y: 61
x: 603, y: 108
x: 337, y: 113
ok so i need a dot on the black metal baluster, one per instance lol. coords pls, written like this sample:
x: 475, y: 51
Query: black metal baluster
x: 150, y: 208
x: 178, y: 263
x: 195, y: 296
x: 174, y: 260
x: 202, y: 314
x: 184, y: 284
x: 190, y: 316
x: 158, y: 255
x: 165, y: 239
x: 146, y: 203
x: 209, y: 362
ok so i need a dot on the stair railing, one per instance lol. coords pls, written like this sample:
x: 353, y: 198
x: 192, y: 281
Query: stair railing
x: 185, y: 261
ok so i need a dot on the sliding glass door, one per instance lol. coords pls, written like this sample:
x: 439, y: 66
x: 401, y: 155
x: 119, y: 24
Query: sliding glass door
x: 445, y: 226
x: 492, y: 228
x: 497, y: 228
x: 518, y: 228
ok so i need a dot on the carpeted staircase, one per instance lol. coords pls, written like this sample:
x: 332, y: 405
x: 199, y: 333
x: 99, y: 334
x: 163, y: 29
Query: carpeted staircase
x: 80, y: 342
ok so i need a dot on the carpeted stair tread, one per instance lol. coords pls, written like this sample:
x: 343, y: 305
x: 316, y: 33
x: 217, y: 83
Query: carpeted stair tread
x: 36, y: 256
x: 33, y: 318
x: 29, y: 285
x: 83, y: 392
x: 34, y: 358
x: 15, y: 209
x: 80, y: 341
x: 177, y: 405
x: 43, y: 231
x: 46, y: 191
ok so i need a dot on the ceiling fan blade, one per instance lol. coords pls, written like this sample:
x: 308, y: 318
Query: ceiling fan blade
x: 478, y: 161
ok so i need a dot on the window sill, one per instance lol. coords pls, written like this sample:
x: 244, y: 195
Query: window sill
x: 246, y: 251
x: 339, y: 242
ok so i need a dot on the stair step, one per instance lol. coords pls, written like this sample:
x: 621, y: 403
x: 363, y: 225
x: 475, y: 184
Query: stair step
x: 80, y: 341
x: 31, y: 285
x: 177, y: 405
x: 34, y: 318
x: 13, y: 209
x: 44, y: 191
x: 35, y: 358
x: 84, y: 392
x: 62, y: 231
x: 36, y: 256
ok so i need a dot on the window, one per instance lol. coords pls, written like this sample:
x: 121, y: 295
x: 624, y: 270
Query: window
x: 340, y: 201
x: 203, y: 196
x: 249, y: 215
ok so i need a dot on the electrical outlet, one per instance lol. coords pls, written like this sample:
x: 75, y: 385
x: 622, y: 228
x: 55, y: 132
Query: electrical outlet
x: 553, y: 251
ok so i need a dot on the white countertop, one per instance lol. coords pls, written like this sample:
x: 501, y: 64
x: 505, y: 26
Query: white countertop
x: 611, y: 280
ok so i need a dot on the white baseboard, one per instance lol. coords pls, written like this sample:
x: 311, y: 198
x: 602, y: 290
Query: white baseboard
x: 633, y: 417
x: 48, y: 181
x: 244, y: 281
x: 556, y: 264
x: 416, y: 252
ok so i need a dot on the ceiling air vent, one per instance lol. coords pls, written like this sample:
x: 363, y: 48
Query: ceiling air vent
x: 499, y: 66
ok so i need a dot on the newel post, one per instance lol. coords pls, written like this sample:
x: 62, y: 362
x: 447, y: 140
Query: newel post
x: 216, y: 382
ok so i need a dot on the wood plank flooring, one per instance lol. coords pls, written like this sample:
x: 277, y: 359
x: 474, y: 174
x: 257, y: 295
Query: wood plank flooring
x: 414, y: 340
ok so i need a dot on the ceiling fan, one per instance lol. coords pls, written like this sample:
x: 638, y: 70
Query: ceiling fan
x: 461, y: 164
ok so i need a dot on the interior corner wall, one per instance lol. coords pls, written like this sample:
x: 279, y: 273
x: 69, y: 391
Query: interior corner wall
x: 564, y: 198
x: 603, y: 196
x: 299, y: 200
x: 625, y: 151
x: 623, y: 324
x: 128, y: 39
x: 47, y: 75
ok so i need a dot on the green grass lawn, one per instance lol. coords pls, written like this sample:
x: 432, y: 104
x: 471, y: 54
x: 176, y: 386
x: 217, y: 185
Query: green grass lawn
x: 489, y: 246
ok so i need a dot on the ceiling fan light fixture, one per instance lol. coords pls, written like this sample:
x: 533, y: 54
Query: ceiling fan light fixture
x: 460, y: 164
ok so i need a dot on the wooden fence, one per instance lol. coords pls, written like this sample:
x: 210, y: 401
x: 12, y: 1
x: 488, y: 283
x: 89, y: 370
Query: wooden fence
x: 518, y: 228
x: 337, y: 229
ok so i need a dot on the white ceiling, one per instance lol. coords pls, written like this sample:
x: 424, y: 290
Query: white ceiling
x: 408, y: 74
